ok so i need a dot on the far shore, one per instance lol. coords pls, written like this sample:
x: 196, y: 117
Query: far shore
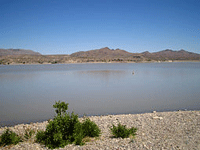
x: 168, y: 61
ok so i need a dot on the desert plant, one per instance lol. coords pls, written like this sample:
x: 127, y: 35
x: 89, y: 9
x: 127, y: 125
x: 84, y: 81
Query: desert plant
x: 9, y: 137
x: 28, y: 133
x: 61, y: 107
x: 78, y: 134
x: 65, y: 129
x: 122, y: 131
x: 60, y: 131
x: 90, y: 129
x: 40, y: 137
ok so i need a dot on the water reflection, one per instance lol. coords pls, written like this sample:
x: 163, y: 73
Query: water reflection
x: 104, y: 75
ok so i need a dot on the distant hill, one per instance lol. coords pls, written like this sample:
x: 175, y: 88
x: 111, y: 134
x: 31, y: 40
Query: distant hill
x: 102, y: 53
x: 157, y: 56
x: 172, y: 55
x: 21, y: 56
x: 4, y: 52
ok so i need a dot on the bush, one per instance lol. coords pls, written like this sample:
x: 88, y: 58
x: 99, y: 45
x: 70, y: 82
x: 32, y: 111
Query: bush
x: 40, y: 136
x: 28, y: 133
x: 90, y: 128
x: 78, y: 134
x: 61, y: 108
x: 122, y: 131
x: 66, y: 129
x: 8, y: 138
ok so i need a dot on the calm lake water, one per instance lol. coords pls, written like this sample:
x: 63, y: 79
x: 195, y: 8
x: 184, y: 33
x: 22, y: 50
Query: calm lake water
x: 27, y: 92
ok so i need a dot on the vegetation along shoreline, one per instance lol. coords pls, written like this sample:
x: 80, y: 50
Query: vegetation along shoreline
x: 157, y: 130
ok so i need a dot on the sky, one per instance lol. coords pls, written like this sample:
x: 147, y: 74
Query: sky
x: 68, y: 26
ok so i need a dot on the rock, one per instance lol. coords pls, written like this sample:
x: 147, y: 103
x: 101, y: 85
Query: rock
x: 157, y: 118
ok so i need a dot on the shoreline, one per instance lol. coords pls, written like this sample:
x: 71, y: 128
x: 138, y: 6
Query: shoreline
x: 7, y: 125
x: 169, y: 61
x: 157, y: 130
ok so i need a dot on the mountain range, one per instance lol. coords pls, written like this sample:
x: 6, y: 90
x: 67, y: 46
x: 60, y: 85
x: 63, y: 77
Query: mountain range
x: 161, y: 55
x: 21, y: 56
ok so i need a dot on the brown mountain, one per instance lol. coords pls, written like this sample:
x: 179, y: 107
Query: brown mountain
x: 4, y: 52
x: 172, y: 55
x: 102, y: 53
x: 20, y: 56
x: 105, y: 53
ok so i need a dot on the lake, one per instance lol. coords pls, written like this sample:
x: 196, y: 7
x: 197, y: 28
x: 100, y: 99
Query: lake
x: 27, y: 92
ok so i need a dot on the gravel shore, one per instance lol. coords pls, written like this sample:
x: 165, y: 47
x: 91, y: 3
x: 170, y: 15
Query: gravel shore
x: 157, y: 130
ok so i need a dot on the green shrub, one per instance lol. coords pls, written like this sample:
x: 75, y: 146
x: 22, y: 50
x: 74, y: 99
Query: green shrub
x: 78, y: 134
x: 90, y: 128
x: 8, y: 138
x: 28, y: 133
x: 122, y: 131
x: 40, y: 137
x: 66, y: 129
x: 61, y: 108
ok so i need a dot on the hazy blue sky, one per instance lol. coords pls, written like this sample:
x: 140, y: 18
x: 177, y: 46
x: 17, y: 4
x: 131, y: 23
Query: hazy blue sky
x: 67, y: 26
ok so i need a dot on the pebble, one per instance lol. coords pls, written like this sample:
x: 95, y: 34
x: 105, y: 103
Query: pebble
x: 157, y: 118
x: 157, y: 130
